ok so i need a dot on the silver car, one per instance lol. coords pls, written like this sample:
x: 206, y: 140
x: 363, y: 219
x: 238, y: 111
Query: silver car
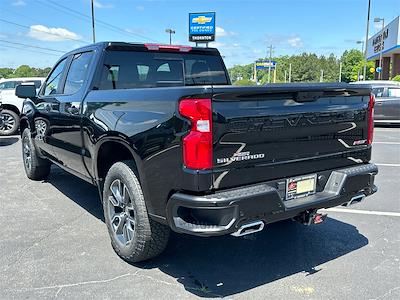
x: 387, y: 104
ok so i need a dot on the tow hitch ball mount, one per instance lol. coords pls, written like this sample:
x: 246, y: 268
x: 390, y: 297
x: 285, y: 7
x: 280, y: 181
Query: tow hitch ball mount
x: 310, y: 217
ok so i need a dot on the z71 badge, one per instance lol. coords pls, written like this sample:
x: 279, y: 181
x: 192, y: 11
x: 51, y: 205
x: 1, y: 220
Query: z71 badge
x: 240, y: 157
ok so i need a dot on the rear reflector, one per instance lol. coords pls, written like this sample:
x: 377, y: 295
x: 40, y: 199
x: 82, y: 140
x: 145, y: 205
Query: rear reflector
x: 197, y: 145
x: 156, y: 47
x: 371, y: 105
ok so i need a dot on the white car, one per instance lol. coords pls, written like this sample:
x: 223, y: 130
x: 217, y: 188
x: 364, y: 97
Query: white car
x: 12, y: 105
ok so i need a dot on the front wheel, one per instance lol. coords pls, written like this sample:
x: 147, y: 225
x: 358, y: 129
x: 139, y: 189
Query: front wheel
x: 36, y: 168
x: 134, y: 236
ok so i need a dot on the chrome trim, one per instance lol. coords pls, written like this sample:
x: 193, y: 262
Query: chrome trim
x: 242, y: 230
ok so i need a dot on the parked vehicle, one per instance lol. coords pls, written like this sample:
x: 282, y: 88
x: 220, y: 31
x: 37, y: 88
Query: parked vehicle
x: 1, y: 118
x: 12, y: 105
x: 387, y: 104
x: 171, y: 145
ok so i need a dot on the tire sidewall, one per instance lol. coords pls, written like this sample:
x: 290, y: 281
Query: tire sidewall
x: 26, y: 137
x: 124, y: 173
x: 15, y: 116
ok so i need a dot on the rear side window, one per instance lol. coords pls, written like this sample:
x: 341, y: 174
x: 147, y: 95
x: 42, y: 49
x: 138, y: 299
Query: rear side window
x: 37, y: 83
x: 132, y: 69
x: 394, y: 92
x: 77, y: 72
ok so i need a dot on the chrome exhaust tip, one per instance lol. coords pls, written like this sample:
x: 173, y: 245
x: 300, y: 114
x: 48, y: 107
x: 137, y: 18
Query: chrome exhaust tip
x: 355, y: 200
x: 249, y: 228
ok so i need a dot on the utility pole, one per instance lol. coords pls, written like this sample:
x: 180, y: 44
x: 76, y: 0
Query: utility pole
x: 366, y: 40
x: 321, y: 78
x: 270, y: 62
x: 285, y: 75
x: 171, y: 32
x: 340, y: 72
x: 93, y: 32
x: 255, y: 72
x: 290, y: 73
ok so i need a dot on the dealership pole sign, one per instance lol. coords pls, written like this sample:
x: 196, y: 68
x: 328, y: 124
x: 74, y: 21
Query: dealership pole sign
x: 202, y: 27
x: 265, y: 64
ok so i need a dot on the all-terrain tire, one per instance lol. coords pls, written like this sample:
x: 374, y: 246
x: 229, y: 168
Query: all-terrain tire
x: 149, y: 238
x: 36, y: 168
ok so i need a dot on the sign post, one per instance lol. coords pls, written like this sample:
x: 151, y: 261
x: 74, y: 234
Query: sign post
x: 202, y: 27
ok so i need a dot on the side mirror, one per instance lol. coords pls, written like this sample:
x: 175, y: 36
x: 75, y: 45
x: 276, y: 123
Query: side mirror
x: 25, y: 91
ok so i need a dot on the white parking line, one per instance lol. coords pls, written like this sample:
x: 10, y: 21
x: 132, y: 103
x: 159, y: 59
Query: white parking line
x: 386, y: 129
x: 388, y: 165
x: 363, y: 212
x: 388, y: 143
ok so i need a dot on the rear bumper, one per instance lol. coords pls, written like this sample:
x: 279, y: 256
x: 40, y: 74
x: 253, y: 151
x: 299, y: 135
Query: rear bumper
x: 226, y: 211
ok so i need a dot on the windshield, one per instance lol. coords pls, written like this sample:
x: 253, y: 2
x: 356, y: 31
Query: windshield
x: 128, y: 69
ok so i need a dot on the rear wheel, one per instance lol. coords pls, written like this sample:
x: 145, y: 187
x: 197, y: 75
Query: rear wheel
x: 134, y: 236
x: 36, y: 168
x: 10, y: 122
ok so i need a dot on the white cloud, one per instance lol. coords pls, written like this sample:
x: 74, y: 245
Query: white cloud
x: 98, y: 4
x: 216, y: 44
x: 140, y: 8
x: 43, y: 33
x: 221, y: 32
x: 295, y: 42
x: 19, y: 3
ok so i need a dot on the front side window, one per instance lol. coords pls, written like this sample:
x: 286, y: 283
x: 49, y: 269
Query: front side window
x: 7, y: 85
x: 52, y: 83
x: 378, y: 92
x: 77, y: 72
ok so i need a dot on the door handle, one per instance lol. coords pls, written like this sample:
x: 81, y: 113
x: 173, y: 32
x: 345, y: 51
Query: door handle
x: 379, y: 103
x: 73, y: 110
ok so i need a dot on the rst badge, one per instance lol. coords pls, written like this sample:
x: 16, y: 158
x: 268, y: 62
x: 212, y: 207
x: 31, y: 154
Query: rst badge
x: 240, y: 156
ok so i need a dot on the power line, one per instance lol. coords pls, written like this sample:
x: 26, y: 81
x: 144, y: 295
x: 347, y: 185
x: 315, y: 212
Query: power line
x: 21, y: 15
x: 33, y: 46
x: 30, y: 50
x: 51, y: 33
x: 80, y: 15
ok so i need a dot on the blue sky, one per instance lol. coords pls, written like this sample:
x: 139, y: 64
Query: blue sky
x: 245, y: 28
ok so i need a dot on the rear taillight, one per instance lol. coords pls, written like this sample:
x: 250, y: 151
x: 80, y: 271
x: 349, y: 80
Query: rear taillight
x: 197, y: 145
x: 371, y: 105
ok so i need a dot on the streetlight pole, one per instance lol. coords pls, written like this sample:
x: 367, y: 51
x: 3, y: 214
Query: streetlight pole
x: 377, y: 20
x: 366, y: 40
x: 171, y: 32
x: 270, y: 62
x: 364, y: 61
x: 93, y: 32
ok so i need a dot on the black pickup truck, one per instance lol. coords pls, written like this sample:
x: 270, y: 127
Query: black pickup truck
x: 170, y: 144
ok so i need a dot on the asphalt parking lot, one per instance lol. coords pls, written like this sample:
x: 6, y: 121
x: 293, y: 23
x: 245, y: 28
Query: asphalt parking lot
x: 54, y: 244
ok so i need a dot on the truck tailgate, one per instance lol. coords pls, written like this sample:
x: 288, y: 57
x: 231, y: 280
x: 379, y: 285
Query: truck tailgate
x: 264, y: 133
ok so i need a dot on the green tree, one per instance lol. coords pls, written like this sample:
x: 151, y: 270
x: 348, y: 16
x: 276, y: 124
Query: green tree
x: 6, y: 72
x: 352, y: 62
x: 396, y: 78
